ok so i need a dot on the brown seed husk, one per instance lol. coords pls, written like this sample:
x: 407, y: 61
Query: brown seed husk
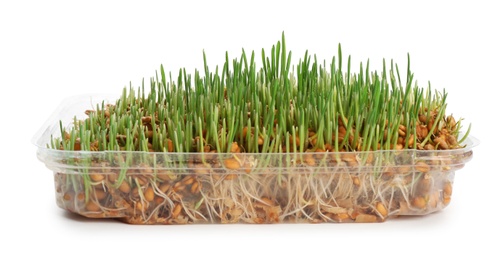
x: 149, y: 194
x: 232, y: 164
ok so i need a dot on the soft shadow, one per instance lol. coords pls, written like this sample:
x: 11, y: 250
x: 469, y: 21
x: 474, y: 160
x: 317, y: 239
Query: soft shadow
x: 81, y: 219
x: 433, y: 218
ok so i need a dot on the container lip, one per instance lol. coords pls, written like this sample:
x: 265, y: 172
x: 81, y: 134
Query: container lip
x: 54, y: 117
x: 469, y: 143
x: 36, y: 140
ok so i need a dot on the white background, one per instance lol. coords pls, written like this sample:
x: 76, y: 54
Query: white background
x: 50, y: 50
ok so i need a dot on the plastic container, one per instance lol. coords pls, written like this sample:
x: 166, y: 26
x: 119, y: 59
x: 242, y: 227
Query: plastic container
x: 180, y: 188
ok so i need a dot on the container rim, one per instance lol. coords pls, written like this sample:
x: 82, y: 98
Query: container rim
x: 41, y: 144
x: 54, y: 117
x: 469, y: 143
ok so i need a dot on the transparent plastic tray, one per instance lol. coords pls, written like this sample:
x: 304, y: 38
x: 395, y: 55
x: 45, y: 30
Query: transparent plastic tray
x: 181, y: 188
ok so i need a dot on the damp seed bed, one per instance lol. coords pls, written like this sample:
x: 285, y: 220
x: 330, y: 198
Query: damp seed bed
x: 282, y: 143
